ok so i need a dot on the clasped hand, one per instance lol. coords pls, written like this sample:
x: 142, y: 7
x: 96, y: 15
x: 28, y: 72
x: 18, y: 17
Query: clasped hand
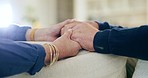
x: 77, y: 35
x: 83, y: 33
x: 69, y: 36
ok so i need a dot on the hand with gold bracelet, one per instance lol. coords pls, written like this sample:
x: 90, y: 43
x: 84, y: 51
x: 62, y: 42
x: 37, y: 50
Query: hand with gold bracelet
x: 46, y: 34
x: 30, y: 57
x: 62, y: 47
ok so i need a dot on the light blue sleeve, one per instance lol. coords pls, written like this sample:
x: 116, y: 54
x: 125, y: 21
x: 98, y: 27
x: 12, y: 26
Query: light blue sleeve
x: 14, y: 32
x: 18, y: 57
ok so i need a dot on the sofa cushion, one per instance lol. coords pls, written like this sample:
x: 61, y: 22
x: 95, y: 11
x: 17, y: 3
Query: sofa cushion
x: 141, y: 70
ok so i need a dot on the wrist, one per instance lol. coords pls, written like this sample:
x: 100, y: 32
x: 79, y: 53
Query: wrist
x: 94, y: 24
x: 92, y: 42
x: 61, y: 55
x: 100, y: 42
x: 47, y: 57
x: 28, y: 34
x: 103, y: 25
x: 52, y: 54
x: 62, y: 52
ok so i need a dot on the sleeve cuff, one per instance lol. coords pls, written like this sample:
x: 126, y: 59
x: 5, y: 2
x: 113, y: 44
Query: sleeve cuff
x: 21, y: 33
x: 103, y: 26
x: 40, y: 60
x: 101, y: 41
x: 17, y: 33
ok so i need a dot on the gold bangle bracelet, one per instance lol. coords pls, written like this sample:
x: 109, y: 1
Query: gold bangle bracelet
x: 51, y: 54
x: 48, y: 51
x: 32, y: 34
x: 54, y: 54
x: 57, y: 52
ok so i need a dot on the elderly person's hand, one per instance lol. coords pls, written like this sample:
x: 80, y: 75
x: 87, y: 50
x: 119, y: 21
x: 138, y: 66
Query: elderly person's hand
x: 75, y: 22
x: 83, y: 33
x: 47, y: 34
x: 66, y: 46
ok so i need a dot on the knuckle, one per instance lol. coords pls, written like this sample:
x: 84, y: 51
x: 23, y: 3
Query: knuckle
x: 65, y: 26
x: 62, y: 29
x: 77, y: 39
x: 73, y: 37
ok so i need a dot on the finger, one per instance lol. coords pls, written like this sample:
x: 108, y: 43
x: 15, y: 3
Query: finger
x: 68, y: 34
x: 62, y: 24
x: 62, y: 31
x: 67, y: 21
x: 67, y: 27
x: 75, y: 37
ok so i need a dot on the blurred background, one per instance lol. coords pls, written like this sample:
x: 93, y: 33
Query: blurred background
x: 44, y: 13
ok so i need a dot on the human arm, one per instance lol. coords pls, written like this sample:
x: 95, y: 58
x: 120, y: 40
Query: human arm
x: 17, y: 33
x: 18, y: 57
x: 131, y: 42
x: 14, y: 32
x: 48, y: 33
x: 96, y: 24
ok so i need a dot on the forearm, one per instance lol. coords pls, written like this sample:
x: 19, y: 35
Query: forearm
x: 26, y: 57
x: 126, y: 42
x: 18, y: 57
x: 14, y: 32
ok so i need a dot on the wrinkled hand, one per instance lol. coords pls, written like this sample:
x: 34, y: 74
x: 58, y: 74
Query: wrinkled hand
x: 66, y: 46
x: 50, y: 34
x: 84, y: 33
x: 75, y: 22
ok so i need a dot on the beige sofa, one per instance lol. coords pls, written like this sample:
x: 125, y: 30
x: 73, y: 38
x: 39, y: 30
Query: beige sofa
x: 141, y: 69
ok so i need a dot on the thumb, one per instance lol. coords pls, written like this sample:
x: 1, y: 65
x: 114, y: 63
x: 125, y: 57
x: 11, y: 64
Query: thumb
x: 68, y: 33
